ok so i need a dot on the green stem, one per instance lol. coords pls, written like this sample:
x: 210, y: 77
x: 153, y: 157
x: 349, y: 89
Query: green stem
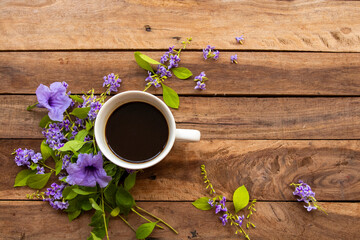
x: 48, y: 167
x: 159, y: 219
x: 127, y: 223
x: 147, y: 87
x: 31, y: 106
x: 145, y: 218
x: 102, y: 200
x: 67, y: 114
x: 95, y: 149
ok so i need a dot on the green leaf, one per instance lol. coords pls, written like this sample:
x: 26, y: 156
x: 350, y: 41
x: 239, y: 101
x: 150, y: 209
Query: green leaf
x: 130, y: 181
x: 77, y: 98
x: 202, y: 203
x: 181, y: 72
x: 30, y: 107
x: 33, y: 166
x: 142, y: 63
x: 44, y: 121
x: 46, y: 151
x: 38, y: 181
x: 110, y: 194
x: 81, y: 112
x: 68, y: 193
x: 115, y: 212
x: 88, y: 125
x: 94, y: 237
x: 124, y: 200
x: 95, y: 205
x: 58, y: 166
x: 149, y: 59
x: 97, y: 219
x: 73, y: 145
x: 23, y: 176
x: 240, y: 198
x: 171, y: 98
x: 81, y: 135
x: 85, y: 205
x: 144, y: 230
x: 82, y: 192
x: 73, y: 215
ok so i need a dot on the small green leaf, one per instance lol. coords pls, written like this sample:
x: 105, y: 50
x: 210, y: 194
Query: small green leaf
x: 144, y: 230
x: 95, y: 205
x: 68, y: 193
x: 73, y: 145
x: 77, y: 98
x: 94, y: 236
x: 33, y: 166
x: 89, y: 125
x: 124, y: 200
x: 30, y: 107
x: 80, y: 136
x: 202, y: 203
x: 85, y: 205
x: 115, y: 212
x: 58, y: 166
x: 81, y: 112
x: 46, y: 151
x: 73, y: 215
x: 110, y: 193
x: 149, y: 59
x: 44, y: 121
x: 240, y: 198
x: 181, y: 72
x: 171, y: 98
x: 83, y: 192
x: 142, y: 63
x: 38, y: 181
x: 130, y: 181
x: 23, y: 176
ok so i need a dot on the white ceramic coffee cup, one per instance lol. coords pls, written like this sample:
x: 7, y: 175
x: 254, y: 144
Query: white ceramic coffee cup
x: 138, y: 96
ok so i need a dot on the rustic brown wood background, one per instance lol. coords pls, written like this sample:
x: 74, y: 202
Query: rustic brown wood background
x: 289, y: 110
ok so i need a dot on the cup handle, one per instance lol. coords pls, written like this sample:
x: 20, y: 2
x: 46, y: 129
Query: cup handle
x: 187, y: 135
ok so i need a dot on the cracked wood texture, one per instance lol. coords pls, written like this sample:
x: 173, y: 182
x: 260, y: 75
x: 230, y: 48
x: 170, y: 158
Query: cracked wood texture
x: 289, y: 110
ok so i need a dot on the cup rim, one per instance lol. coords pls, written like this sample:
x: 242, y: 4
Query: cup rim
x: 118, y: 100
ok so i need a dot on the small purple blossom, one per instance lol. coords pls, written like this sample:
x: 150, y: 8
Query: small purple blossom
x: 36, y: 157
x: 65, y: 85
x: 162, y: 72
x: 174, y: 61
x: 239, y: 220
x: 224, y: 219
x: 223, y: 201
x: 211, y: 202
x: 210, y: 52
x: 306, y: 195
x: 94, y: 110
x: 200, y: 86
x: 240, y: 39
x: 40, y: 170
x: 87, y: 138
x: 54, y: 136
x: 218, y: 209
x: 23, y: 157
x: 87, y: 171
x: 201, y: 77
x: 111, y: 81
x: 54, y: 99
x: 233, y: 59
x: 152, y: 80
x: 65, y: 161
x: 54, y: 194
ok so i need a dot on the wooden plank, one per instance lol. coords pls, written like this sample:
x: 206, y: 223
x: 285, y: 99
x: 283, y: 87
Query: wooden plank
x: 270, y: 25
x: 258, y: 73
x: 291, y: 221
x: 266, y: 168
x: 239, y: 118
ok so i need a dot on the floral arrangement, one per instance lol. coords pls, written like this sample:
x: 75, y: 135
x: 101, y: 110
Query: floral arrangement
x: 86, y: 180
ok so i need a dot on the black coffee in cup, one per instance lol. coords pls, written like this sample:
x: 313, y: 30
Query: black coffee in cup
x: 136, y: 132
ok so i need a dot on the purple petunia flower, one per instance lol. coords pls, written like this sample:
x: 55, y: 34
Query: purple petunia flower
x: 87, y: 171
x: 224, y: 219
x: 233, y: 59
x: 54, y: 99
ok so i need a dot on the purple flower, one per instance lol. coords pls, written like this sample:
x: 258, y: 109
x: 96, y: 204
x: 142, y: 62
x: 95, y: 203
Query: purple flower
x: 54, y: 194
x: 310, y: 207
x: 211, y: 202
x: 94, y: 110
x: 87, y: 138
x: 162, y: 72
x: 65, y: 161
x: 217, y: 209
x: 54, y: 99
x: 306, y: 195
x: 87, y: 171
x: 36, y: 157
x: 201, y: 77
x: 200, y: 85
x: 112, y: 81
x: 23, y: 157
x: 216, y: 55
x: 223, y: 201
x: 65, y: 85
x: 174, y: 61
x: 210, y: 52
x: 240, y: 220
x: 224, y: 219
x: 240, y: 39
x: 164, y: 58
x: 40, y: 170
x: 233, y: 59
x: 152, y: 80
x: 54, y: 136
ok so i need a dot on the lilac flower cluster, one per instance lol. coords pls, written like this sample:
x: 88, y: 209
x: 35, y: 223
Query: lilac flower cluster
x: 210, y: 52
x: 200, y: 81
x: 220, y: 207
x: 66, y: 161
x: 172, y: 57
x: 233, y: 59
x: 94, y: 110
x: 54, y: 135
x: 26, y: 156
x: 163, y: 72
x: 306, y: 195
x: 153, y: 80
x: 111, y: 81
x: 54, y: 194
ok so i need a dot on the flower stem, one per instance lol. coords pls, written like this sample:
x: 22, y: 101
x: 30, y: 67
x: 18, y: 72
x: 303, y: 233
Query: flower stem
x: 127, y: 223
x: 67, y: 114
x: 159, y: 219
x: 102, y: 204
x: 145, y: 218
x: 31, y: 106
x: 48, y: 166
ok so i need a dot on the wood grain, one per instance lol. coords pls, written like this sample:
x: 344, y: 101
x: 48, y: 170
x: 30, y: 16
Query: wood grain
x: 266, y: 168
x: 226, y: 118
x: 258, y: 73
x: 269, y: 25
x: 274, y: 220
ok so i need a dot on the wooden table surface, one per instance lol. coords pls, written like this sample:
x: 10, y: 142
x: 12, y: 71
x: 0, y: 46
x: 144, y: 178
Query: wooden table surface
x: 289, y: 110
